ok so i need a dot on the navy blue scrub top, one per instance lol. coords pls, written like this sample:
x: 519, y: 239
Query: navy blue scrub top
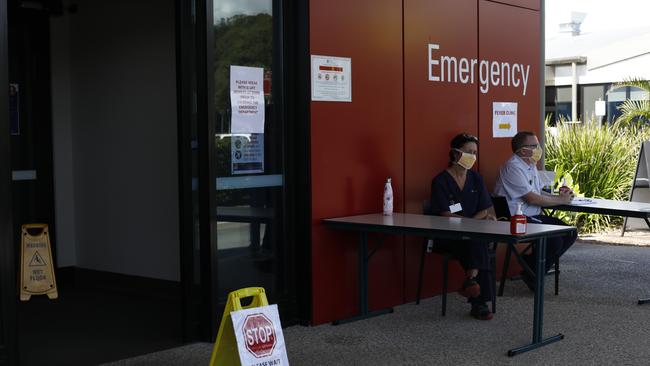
x: 445, y: 192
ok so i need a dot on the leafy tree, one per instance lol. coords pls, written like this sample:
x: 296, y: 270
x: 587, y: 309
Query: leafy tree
x: 634, y: 110
x: 241, y: 40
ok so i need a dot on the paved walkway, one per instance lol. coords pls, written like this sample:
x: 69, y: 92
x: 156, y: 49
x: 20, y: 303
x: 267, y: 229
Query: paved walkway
x: 596, y: 310
x: 613, y: 237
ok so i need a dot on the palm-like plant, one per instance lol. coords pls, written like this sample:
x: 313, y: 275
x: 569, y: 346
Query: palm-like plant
x: 634, y: 110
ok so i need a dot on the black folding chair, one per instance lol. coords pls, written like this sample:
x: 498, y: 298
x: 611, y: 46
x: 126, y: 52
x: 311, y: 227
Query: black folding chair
x: 446, y: 257
x: 503, y: 214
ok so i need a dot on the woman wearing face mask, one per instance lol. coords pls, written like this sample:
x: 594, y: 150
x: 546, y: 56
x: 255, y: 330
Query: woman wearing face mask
x: 459, y: 191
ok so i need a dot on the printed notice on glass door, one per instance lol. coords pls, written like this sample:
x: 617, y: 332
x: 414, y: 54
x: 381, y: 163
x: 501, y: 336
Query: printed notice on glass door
x: 504, y: 119
x: 247, y: 154
x: 247, y: 99
x: 331, y: 79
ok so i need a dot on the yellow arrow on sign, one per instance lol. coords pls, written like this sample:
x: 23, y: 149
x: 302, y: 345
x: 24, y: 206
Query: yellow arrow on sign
x: 504, y: 126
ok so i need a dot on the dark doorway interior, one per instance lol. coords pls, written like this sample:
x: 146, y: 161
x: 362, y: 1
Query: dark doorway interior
x: 96, y: 152
x: 99, y: 317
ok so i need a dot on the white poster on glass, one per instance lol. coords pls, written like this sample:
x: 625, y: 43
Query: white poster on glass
x: 247, y: 153
x: 331, y: 79
x: 504, y: 119
x: 247, y: 99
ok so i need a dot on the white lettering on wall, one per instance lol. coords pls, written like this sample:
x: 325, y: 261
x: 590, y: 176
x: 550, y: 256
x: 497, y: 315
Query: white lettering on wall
x: 432, y: 62
x: 451, y: 69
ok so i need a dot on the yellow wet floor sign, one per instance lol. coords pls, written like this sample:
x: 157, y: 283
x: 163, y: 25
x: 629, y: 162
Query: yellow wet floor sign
x: 225, y: 351
x: 36, y: 267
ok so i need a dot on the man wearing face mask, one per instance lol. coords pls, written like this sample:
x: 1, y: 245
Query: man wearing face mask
x: 519, y: 181
x: 459, y: 191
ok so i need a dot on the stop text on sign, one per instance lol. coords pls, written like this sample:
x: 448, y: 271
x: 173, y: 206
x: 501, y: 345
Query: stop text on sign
x: 259, y: 334
x: 443, y: 68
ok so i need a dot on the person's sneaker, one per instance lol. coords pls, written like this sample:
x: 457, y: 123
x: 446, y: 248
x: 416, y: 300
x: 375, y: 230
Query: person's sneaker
x: 528, y: 280
x: 481, y: 312
x: 470, y: 288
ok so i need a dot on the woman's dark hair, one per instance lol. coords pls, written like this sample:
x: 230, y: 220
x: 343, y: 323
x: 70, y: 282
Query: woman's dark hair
x: 457, y: 142
x: 461, y: 139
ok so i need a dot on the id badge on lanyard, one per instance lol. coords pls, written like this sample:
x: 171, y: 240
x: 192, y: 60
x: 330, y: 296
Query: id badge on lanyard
x: 455, y: 208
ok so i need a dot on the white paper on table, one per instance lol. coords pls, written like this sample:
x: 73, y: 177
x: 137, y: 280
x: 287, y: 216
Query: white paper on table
x: 582, y: 201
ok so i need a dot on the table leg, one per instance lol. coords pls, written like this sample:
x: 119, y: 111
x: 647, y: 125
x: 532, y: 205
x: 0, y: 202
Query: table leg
x: 364, y: 313
x: 647, y: 300
x: 538, y: 310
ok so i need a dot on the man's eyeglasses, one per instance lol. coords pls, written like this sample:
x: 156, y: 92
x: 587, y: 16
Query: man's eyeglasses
x: 531, y: 146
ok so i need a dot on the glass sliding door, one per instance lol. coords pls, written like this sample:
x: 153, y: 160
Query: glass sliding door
x: 8, y: 309
x: 249, y: 148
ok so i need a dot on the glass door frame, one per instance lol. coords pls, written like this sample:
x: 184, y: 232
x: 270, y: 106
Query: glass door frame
x: 8, y: 290
x: 195, y: 55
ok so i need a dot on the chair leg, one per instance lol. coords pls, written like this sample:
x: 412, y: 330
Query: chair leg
x: 445, y: 278
x: 424, y: 250
x: 504, y: 272
x: 557, y: 275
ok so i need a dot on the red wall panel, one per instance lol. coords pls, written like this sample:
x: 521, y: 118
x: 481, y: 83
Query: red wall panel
x: 435, y: 111
x: 354, y: 147
x: 507, y: 33
x: 399, y: 124
x: 530, y: 4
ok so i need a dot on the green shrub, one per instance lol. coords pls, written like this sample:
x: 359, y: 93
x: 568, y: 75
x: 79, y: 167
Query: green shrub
x: 599, y: 161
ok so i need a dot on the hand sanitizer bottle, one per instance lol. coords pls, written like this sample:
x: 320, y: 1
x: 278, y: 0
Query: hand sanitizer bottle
x: 518, y: 222
x: 388, y: 198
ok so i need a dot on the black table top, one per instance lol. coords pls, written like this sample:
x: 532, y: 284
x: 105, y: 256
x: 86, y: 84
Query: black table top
x: 444, y: 227
x: 608, y: 207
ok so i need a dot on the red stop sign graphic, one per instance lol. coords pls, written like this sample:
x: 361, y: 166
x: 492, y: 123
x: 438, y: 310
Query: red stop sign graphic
x: 259, y: 335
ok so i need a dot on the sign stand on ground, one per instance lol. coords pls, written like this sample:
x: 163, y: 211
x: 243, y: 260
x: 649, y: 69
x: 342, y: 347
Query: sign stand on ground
x: 640, y: 191
x: 36, y: 267
x: 249, y: 335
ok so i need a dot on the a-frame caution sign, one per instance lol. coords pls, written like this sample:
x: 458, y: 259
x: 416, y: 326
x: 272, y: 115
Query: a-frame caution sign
x: 640, y: 191
x: 36, y: 269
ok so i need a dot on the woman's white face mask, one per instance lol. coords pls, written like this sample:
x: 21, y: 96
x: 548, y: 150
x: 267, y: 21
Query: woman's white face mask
x: 466, y: 160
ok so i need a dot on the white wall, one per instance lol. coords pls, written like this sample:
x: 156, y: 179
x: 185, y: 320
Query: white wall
x: 123, y: 138
x: 62, y: 143
x: 615, y: 72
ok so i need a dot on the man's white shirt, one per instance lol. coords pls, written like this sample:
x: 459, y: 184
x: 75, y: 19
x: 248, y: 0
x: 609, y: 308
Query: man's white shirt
x: 516, y: 179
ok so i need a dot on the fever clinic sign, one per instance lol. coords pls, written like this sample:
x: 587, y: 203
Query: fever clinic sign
x: 247, y: 99
x: 504, y: 119
x: 259, y: 336
x: 452, y: 69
